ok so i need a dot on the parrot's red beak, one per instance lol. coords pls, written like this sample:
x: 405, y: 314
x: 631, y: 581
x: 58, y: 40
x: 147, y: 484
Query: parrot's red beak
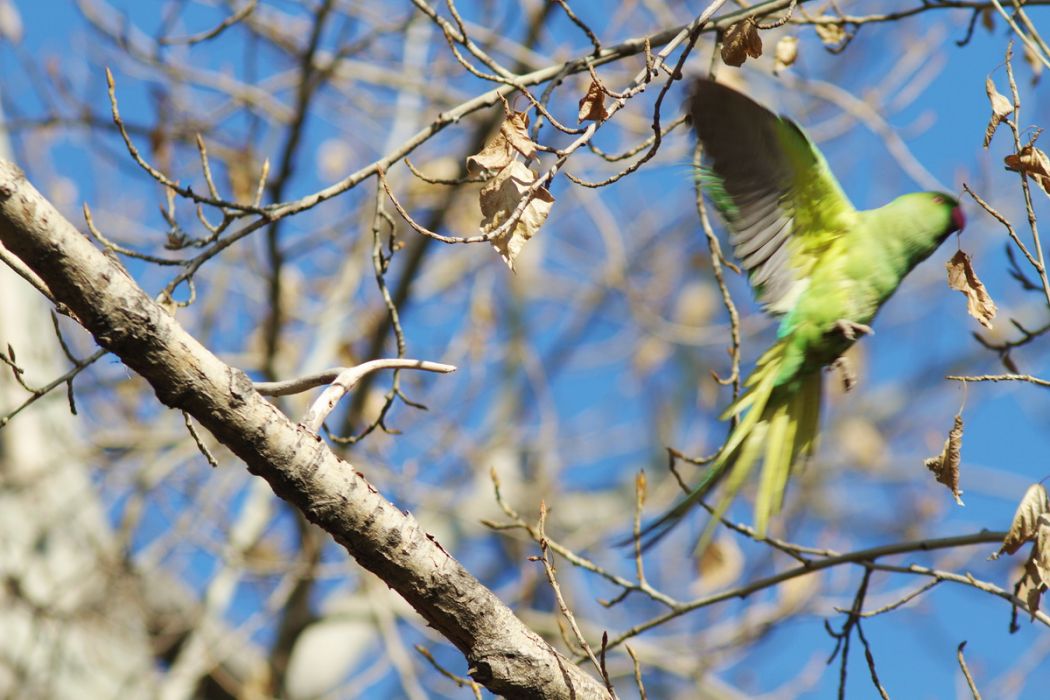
x: 958, y: 220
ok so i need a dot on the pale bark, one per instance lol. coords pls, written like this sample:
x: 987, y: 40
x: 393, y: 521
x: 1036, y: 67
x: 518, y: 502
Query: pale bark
x: 503, y: 654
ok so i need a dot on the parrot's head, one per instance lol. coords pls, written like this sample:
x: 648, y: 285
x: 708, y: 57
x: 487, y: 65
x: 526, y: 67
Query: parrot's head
x: 942, y: 211
x: 929, y: 217
x: 956, y: 219
x: 919, y: 223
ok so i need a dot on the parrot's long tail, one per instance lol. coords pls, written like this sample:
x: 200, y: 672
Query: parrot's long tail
x: 778, y: 424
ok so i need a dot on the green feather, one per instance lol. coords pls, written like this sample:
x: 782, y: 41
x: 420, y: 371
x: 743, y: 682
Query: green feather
x: 813, y: 260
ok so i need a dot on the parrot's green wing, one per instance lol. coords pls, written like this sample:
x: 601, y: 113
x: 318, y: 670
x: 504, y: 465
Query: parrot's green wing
x: 781, y: 203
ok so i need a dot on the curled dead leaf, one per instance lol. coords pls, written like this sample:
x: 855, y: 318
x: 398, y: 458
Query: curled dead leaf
x: 513, y: 137
x: 496, y: 155
x: 1041, y: 550
x: 785, y: 54
x: 1031, y: 522
x: 1001, y: 107
x: 741, y: 41
x: 516, y: 129
x: 501, y: 196
x: 1025, y: 524
x: 592, y: 105
x: 962, y: 277
x: 1029, y: 587
x: 945, y: 466
x: 1033, y: 162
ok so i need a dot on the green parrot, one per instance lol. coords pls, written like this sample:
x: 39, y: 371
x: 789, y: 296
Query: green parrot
x: 815, y: 262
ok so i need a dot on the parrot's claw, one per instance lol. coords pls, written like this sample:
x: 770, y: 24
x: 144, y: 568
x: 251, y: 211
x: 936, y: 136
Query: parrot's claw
x: 849, y: 329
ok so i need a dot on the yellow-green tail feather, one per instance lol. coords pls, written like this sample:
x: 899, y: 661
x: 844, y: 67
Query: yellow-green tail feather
x: 778, y: 424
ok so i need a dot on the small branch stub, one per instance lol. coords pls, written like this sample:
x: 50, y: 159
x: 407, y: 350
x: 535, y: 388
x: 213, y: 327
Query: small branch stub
x: 348, y: 379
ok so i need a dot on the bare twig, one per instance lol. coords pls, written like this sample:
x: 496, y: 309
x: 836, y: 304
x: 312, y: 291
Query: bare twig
x: 47, y: 388
x: 717, y: 261
x: 199, y: 442
x: 25, y: 272
x: 157, y: 175
x: 637, y: 672
x: 215, y: 31
x: 518, y: 523
x: 458, y: 680
x: 350, y: 376
x: 903, y: 600
x: 1000, y: 378
x: 1025, y: 189
x: 966, y: 672
x: 548, y: 568
x: 866, y: 557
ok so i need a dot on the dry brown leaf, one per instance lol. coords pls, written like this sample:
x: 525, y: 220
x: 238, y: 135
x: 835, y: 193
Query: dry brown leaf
x: 592, y: 105
x: 785, y: 54
x: 1041, y: 550
x: 741, y: 40
x: 1001, y: 106
x: 1026, y: 519
x: 516, y: 128
x: 945, y: 466
x: 831, y: 34
x: 1031, y: 522
x: 500, y: 197
x: 962, y: 277
x: 1030, y: 587
x: 1034, y: 163
x: 497, y: 154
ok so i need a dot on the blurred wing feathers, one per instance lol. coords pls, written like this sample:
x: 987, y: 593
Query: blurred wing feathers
x: 782, y: 205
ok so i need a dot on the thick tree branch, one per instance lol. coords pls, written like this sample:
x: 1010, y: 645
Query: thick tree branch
x: 503, y: 654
